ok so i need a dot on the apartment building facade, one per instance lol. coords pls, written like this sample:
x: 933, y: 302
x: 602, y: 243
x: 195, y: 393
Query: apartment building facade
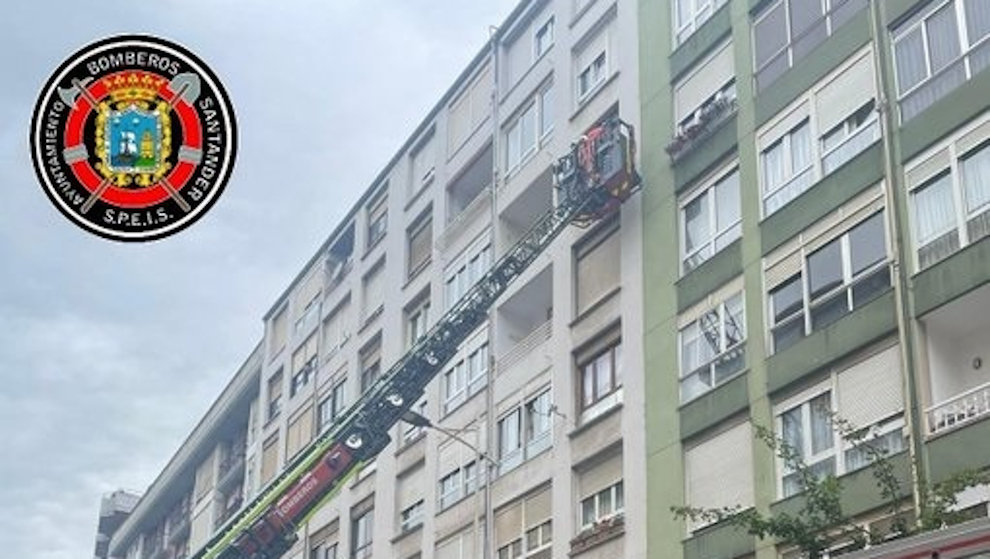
x: 814, y: 206
x: 545, y: 399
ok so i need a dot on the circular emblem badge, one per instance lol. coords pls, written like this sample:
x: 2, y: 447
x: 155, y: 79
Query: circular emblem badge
x: 133, y: 138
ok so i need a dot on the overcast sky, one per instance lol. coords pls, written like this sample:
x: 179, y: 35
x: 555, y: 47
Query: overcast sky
x: 111, y: 352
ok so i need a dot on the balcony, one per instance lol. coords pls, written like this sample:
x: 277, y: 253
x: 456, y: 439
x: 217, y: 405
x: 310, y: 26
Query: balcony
x: 707, y: 121
x: 525, y: 346
x: 525, y: 323
x: 957, y: 336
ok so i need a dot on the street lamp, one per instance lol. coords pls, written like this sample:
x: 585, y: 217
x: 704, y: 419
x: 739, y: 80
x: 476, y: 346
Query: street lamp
x: 419, y: 420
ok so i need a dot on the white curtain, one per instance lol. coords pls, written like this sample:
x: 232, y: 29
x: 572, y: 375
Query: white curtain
x: 975, y: 171
x: 934, y: 210
x: 943, y: 37
x: 821, y: 423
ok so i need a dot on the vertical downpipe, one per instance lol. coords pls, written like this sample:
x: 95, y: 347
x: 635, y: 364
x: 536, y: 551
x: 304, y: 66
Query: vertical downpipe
x: 490, y: 471
x: 905, y: 340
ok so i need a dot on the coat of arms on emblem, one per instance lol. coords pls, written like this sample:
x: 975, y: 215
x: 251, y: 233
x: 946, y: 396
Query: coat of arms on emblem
x: 133, y: 134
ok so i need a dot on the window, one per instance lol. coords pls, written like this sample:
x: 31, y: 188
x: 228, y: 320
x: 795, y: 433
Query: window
x: 787, y: 167
x: 949, y: 210
x: 467, y: 270
x: 601, y: 381
x: 820, y: 132
x: 786, y: 31
x: 849, y: 137
x: 332, y: 406
x: 510, y: 449
x: 469, y: 110
x: 411, y: 517
x: 324, y: 551
x: 937, y: 50
x: 462, y: 545
x: 361, y: 533
x: 377, y: 219
x: 690, y: 14
x: 275, y: 395
x: 524, y: 528
x: 410, y: 432
x: 543, y: 38
x: 269, y: 459
x: 598, y: 260
x: 308, y: 318
x: 371, y: 361
x: 525, y: 134
x: 278, y: 331
x: 592, y: 75
x: 838, y: 277
x: 419, y: 244
x: 466, y: 377
x: 602, y: 505
x: 417, y: 320
x: 336, y: 328
x: 423, y: 163
x: 303, y: 364
x: 712, y: 349
x: 710, y: 221
x: 374, y: 291
x: 299, y: 433
x: 718, y: 472
x: 537, y: 415
x: 459, y: 483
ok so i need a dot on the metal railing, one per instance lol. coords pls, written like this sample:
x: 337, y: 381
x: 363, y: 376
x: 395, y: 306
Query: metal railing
x: 959, y: 410
x: 526, y: 345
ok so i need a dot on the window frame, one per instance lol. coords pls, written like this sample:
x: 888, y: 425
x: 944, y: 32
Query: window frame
x: 721, y: 308
x: 597, y: 74
x: 376, y: 213
x: 603, y: 402
x: 695, y: 20
x: 709, y: 188
x: 530, y: 443
x: 616, y: 494
x: 337, y: 396
x: 274, y: 405
x: 537, y: 107
x: 362, y: 549
x: 547, y: 28
x: 423, y: 225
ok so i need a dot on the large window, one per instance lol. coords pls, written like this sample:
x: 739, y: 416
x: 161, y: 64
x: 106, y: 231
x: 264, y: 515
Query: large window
x: 604, y: 504
x: 593, y: 62
x: 949, y: 210
x: 362, y: 528
x: 459, y: 483
x: 529, y: 130
x: 819, y: 132
x: 710, y: 221
x: 417, y: 320
x: 601, y: 381
x: 712, y: 349
x: 332, y: 406
x: 466, y: 377
x: 419, y: 242
x: 867, y: 395
x: 938, y: 49
x: 275, y: 395
x: 690, y: 14
x: 524, y: 431
x: 787, y: 30
x: 467, y: 270
x: 524, y: 528
x: 377, y: 214
x: 840, y: 276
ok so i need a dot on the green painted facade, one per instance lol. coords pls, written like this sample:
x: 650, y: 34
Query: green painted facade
x: 895, y: 316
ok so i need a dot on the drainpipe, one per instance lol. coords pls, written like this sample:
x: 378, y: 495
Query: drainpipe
x: 888, y: 127
x: 490, y: 471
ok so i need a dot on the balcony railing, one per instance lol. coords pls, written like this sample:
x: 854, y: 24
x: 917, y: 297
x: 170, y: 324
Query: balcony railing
x: 471, y: 213
x: 960, y: 410
x: 526, y: 345
x: 709, y: 120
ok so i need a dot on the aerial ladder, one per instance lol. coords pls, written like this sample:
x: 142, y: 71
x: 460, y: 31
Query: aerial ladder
x: 592, y: 180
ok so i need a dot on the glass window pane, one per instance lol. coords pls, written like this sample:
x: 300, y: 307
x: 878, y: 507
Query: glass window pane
x: 619, y: 497
x: 735, y: 322
x: 821, y: 423
x: 943, y: 37
x: 588, y: 384
x: 773, y: 166
x: 786, y: 298
x: 770, y: 34
x: 977, y: 20
x: 792, y: 432
x: 546, y: 111
x: 825, y: 269
x: 934, y: 209
x: 690, y: 351
x: 588, y: 511
x: 727, y: 203
x: 867, y: 244
x: 696, y: 221
x: 803, y: 14
x: 800, y: 148
x: 975, y: 171
x: 909, y: 52
x: 603, y: 374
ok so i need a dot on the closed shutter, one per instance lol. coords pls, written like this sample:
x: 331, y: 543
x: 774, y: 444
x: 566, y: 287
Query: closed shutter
x: 278, y: 331
x: 846, y: 93
x: 602, y: 475
x: 448, y: 458
x: 449, y: 549
x: 204, y: 476
x: 420, y: 243
x: 308, y: 290
x: 974, y: 138
x: 783, y: 270
x: 269, y: 458
x: 423, y: 161
x: 702, y: 84
x: 518, y: 59
x: 871, y: 389
x: 784, y: 125
x: 305, y: 352
x: 374, y: 289
x: 920, y: 173
x: 598, y: 264
x: 469, y: 110
x: 508, y: 524
x: 719, y: 471
x: 335, y: 327
x: 411, y: 488
x: 538, y: 508
x: 299, y: 433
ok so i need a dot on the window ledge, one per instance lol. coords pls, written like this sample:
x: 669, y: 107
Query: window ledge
x: 532, y: 67
x: 727, y: 380
x: 370, y: 319
x: 415, y: 273
x: 580, y: 13
x: 371, y: 248
x: 404, y: 446
x: 593, y: 94
x: 406, y: 533
x: 602, y: 416
x: 423, y: 187
x: 600, y: 532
